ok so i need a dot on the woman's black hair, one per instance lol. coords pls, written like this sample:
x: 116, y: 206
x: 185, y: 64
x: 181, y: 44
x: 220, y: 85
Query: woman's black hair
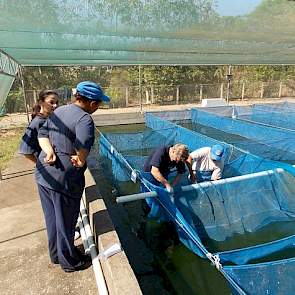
x: 42, y: 96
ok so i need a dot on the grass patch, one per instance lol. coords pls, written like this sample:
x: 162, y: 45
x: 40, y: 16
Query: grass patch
x: 9, y: 144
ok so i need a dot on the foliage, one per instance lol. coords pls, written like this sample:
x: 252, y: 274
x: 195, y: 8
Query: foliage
x: 9, y: 143
x: 14, y: 101
x: 115, y: 80
x: 56, y: 77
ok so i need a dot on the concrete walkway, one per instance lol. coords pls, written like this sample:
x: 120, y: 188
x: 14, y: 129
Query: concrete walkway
x: 25, y: 265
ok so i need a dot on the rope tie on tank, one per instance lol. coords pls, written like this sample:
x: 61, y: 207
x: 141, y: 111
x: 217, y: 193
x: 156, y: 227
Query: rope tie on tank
x: 215, y: 260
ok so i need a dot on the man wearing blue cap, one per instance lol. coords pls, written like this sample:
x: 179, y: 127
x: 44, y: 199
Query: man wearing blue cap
x: 207, y: 163
x: 66, y: 139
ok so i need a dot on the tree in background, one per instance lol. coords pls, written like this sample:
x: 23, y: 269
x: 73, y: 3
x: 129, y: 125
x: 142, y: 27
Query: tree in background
x: 163, y: 79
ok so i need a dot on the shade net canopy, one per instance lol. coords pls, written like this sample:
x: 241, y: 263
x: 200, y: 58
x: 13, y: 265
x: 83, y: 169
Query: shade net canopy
x: 8, y: 70
x: 243, y: 223
x: 69, y: 32
x: 5, y: 83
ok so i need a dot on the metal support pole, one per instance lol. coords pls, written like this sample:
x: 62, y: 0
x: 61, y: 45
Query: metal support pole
x: 229, y: 78
x: 127, y: 97
x: 147, y: 97
x: 262, y: 90
x: 152, y: 95
x: 201, y: 92
x: 243, y: 91
x: 177, y: 95
x: 35, y: 96
x: 140, y: 87
x: 280, y: 89
x: 24, y: 93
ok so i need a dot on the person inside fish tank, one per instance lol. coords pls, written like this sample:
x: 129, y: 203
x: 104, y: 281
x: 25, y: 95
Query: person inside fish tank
x: 206, y: 163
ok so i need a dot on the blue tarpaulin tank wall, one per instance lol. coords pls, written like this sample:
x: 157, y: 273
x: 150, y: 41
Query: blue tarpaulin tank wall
x: 265, y: 140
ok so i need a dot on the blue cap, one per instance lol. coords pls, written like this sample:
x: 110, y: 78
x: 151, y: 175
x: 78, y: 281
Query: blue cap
x: 216, y: 152
x: 91, y: 91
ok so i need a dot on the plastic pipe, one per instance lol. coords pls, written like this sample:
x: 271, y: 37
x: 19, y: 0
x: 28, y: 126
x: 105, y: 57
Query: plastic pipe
x: 230, y: 180
x: 190, y: 187
x: 83, y: 235
x: 99, y: 277
x: 135, y: 197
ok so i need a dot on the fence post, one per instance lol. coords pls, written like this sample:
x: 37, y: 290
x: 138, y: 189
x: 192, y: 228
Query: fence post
x: 24, y: 92
x: 127, y: 96
x: 228, y: 91
x: 152, y: 95
x: 243, y: 91
x: 177, y: 95
x: 201, y: 92
x: 262, y: 90
x: 35, y: 96
x: 221, y: 91
x: 139, y: 86
x: 280, y: 89
x: 229, y: 78
x: 147, y: 96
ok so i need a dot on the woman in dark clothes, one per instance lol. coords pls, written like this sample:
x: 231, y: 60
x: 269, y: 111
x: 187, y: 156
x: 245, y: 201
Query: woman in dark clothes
x: 46, y: 104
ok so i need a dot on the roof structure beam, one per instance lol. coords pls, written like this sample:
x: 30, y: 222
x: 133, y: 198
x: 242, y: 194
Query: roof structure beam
x: 8, y: 65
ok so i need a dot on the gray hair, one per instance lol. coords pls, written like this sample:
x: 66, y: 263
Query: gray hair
x: 181, y: 150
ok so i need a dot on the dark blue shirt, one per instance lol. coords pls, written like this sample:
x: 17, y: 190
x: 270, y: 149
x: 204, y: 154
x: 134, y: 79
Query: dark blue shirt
x: 29, y: 143
x: 69, y: 128
x: 160, y: 158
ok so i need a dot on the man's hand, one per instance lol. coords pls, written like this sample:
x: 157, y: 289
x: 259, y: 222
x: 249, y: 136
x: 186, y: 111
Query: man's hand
x: 169, y: 188
x: 158, y: 176
x: 76, y: 161
x: 192, y: 175
x: 79, y: 159
x: 193, y: 178
x: 50, y: 158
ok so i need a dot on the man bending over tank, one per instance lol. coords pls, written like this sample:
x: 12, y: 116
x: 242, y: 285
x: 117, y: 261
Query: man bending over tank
x: 161, y: 162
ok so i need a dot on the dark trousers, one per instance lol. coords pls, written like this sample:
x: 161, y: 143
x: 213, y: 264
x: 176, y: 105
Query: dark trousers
x: 61, y: 214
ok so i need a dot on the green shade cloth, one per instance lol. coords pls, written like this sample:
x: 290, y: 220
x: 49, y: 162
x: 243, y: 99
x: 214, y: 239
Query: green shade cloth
x: 8, y: 71
x: 69, y: 32
x: 5, y: 84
